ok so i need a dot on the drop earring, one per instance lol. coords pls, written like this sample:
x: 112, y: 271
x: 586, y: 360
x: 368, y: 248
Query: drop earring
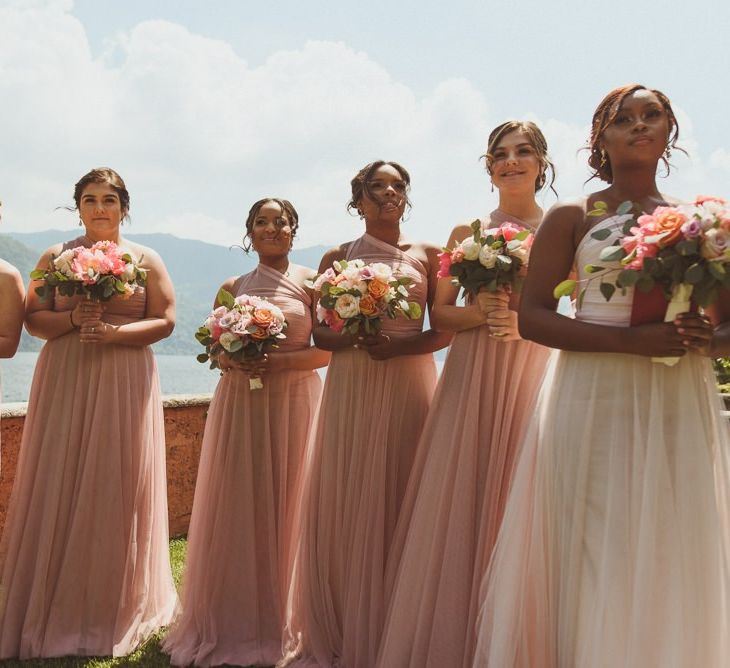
x: 604, y: 160
x: 81, y: 223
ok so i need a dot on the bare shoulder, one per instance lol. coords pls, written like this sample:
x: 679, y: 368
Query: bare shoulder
x: 564, y: 216
x: 147, y: 256
x: 334, y: 254
x: 9, y: 273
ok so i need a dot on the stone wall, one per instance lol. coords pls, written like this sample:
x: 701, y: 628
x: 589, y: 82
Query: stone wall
x: 184, y: 423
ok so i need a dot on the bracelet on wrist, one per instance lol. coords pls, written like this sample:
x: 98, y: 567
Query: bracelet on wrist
x: 71, y: 318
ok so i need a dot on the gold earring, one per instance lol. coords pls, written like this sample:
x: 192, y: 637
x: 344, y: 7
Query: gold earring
x: 604, y: 159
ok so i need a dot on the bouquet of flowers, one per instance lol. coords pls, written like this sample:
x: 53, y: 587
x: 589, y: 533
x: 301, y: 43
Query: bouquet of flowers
x: 243, y: 328
x: 99, y: 273
x: 683, y: 251
x: 355, y: 296
x: 491, y: 258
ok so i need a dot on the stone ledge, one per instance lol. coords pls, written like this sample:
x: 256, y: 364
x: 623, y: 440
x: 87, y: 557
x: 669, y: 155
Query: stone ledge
x: 184, y: 425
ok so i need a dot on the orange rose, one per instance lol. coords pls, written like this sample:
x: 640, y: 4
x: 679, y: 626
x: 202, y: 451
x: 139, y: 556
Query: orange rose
x: 368, y: 306
x: 262, y: 317
x: 377, y: 289
x: 669, y: 220
x: 258, y: 333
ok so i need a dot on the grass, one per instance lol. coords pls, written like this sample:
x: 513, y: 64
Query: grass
x: 148, y: 654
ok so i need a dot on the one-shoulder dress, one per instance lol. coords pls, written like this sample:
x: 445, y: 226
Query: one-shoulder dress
x: 615, y: 544
x: 456, y: 497
x: 363, y: 445
x: 238, y: 558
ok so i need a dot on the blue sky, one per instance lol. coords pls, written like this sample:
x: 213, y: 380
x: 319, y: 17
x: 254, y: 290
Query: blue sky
x: 206, y: 106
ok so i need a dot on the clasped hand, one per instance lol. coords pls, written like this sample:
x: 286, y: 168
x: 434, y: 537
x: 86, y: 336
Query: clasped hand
x: 86, y: 315
x: 379, y: 346
x: 253, y: 368
x: 501, y: 320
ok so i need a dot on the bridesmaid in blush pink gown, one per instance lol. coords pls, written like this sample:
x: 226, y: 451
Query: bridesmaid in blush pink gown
x: 463, y: 467
x: 373, y: 407
x: 615, y: 544
x: 238, y: 559
x: 84, y: 560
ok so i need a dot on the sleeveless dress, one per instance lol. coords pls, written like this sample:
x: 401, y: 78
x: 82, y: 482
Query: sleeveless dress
x: 84, y: 558
x: 615, y: 545
x: 360, y: 457
x: 238, y: 560
x: 456, y: 497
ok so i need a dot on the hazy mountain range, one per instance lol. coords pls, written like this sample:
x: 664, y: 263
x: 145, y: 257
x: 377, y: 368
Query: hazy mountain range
x: 197, y: 270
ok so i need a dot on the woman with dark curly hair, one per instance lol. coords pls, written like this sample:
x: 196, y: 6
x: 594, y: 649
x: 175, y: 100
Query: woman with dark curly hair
x: 615, y: 544
x: 238, y: 558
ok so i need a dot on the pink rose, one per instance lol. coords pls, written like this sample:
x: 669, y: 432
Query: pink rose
x: 444, y: 264
x: 509, y: 231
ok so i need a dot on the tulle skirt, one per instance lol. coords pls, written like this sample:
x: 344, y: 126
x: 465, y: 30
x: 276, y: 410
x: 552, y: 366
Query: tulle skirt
x: 360, y: 458
x: 614, y: 546
x: 85, y: 566
x: 456, y: 498
x: 238, y: 558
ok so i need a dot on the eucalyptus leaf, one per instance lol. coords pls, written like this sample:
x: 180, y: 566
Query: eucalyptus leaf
x: 564, y: 288
x: 607, y: 290
x: 624, y: 208
x: 612, y: 254
x: 627, y: 278
x: 593, y: 268
x: 602, y: 234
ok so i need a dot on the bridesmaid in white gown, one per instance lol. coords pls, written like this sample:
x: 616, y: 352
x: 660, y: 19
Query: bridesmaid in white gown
x: 615, y: 547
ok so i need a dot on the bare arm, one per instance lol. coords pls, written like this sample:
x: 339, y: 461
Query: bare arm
x: 12, y: 309
x: 551, y: 259
x: 40, y: 318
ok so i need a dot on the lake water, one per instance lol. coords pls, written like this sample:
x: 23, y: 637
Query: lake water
x: 179, y: 374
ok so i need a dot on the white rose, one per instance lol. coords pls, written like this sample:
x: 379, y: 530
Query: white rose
x: 521, y: 253
x: 488, y: 256
x: 471, y: 249
x: 347, y: 306
x: 63, y: 263
x: 228, y: 341
x: 382, y: 271
x: 129, y: 273
x: 715, y: 243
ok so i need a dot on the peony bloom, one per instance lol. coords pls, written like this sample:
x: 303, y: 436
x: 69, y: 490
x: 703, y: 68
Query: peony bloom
x: 382, y: 271
x: 230, y: 319
x: 488, y: 256
x: 327, y: 276
x: 470, y: 248
x: 692, y: 228
x: 347, y: 306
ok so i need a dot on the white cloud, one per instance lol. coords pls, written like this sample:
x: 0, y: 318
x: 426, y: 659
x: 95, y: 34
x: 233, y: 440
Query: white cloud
x: 199, y: 134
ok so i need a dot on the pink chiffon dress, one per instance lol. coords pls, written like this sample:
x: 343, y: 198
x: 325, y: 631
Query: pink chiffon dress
x: 84, y: 557
x: 358, y: 464
x: 238, y: 556
x: 615, y: 544
x: 456, y: 497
